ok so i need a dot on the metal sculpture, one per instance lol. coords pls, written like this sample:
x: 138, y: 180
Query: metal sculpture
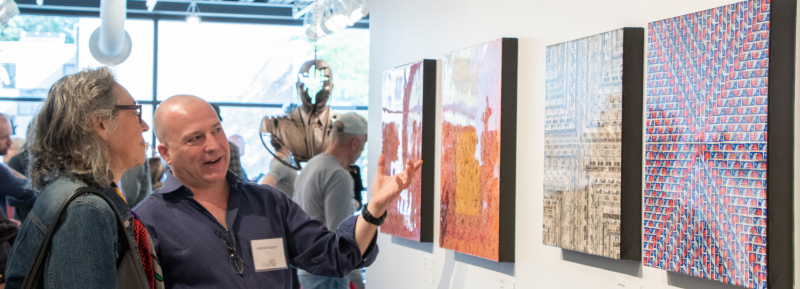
x: 305, y: 130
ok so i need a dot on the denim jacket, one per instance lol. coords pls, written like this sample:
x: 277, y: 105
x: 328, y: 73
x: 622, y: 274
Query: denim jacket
x: 85, y: 250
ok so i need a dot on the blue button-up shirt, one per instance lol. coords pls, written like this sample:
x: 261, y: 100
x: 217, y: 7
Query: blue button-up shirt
x: 193, y: 255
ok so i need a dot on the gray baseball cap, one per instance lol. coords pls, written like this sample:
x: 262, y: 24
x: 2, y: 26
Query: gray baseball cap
x: 353, y: 123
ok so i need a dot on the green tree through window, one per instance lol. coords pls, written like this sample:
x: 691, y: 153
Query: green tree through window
x: 32, y: 23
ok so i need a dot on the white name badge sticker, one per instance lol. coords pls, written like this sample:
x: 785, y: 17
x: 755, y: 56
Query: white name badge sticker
x: 268, y: 254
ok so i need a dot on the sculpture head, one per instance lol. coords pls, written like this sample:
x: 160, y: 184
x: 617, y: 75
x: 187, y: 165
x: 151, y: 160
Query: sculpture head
x: 321, y: 98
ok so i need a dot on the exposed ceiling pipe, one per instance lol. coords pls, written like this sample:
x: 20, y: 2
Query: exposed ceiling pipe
x: 110, y: 44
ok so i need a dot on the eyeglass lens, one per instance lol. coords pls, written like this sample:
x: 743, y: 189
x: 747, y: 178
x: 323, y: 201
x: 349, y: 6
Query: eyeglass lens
x: 236, y: 262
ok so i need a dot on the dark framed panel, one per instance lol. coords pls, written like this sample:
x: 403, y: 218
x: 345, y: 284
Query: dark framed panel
x: 593, y: 113
x: 478, y: 165
x: 408, y: 127
x: 780, y: 160
x: 719, y: 191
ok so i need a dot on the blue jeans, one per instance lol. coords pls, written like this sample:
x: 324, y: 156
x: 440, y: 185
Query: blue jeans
x: 308, y: 281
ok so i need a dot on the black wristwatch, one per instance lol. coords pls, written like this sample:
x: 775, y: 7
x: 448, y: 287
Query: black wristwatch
x: 370, y: 218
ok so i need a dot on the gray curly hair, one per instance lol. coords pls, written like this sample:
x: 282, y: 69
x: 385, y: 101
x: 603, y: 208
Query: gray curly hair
x: 65, y: 143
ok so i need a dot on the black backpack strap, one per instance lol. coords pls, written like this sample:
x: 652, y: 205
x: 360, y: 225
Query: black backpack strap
x: 36, y: 271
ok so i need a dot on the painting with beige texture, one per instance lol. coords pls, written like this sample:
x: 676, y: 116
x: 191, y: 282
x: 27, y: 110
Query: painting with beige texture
x: 478, y: 146
x: 584, y: 137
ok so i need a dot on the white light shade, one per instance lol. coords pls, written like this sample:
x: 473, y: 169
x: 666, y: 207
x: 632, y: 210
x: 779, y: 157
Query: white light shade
x: 328, y: 27
x: 193, y: 14
x: 356, y: 15
x: 193, y: 19
x: 340, y: 21
x: 327, y: 23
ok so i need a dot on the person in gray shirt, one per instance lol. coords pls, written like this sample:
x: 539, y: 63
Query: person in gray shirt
x: 280, y: 175
x: 324, y: 188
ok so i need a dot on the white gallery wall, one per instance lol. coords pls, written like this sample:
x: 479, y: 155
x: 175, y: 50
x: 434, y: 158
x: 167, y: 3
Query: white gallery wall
x: 410, y: 30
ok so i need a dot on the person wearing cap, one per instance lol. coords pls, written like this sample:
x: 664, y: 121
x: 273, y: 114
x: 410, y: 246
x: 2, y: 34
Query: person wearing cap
x: 212, y: 229
x: 324, y: 188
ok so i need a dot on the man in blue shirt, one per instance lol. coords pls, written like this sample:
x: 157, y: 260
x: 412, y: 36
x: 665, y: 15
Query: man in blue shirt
x: 214, y: 230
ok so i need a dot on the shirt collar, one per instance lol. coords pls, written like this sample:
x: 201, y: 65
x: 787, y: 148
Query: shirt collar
x: 172, y: 184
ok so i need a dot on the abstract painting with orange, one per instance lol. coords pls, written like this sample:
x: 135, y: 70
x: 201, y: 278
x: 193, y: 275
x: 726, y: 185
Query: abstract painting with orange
x: 472, y: 168
x: 403, y: 115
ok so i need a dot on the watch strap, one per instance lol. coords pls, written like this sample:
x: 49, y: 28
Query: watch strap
x: 372, y: 219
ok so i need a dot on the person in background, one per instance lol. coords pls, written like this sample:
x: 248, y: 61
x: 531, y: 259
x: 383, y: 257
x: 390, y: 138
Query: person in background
x: 212, y: 229
x: 324, y: 188
x: 15, y: 149
x: 12, y: 184
x: 280, y: 175
x: 20, y: 164
x: 358, y: 185
x: 156, y: 171
x: 6, y: 142
x: 239, y: 142
x: 235, y: 164
x: 136, y: 184
x: 88, y: 133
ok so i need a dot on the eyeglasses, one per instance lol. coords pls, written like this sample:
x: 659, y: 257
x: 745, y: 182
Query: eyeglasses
x: 137, y: 107
x: 235, y: 261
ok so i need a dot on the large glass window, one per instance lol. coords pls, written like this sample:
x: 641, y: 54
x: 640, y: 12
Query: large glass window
x: 248, y: 69
x: 226, y: 62
x: 136, y: 72
x: 246, y: 122
x: 36, y: 51
x: 256, y: 65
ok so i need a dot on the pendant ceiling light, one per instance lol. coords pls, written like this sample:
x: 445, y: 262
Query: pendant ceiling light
x: 330, y: 16
x: 193, y: 14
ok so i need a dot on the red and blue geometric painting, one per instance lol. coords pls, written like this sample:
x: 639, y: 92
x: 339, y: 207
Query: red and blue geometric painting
x: 705, y: 199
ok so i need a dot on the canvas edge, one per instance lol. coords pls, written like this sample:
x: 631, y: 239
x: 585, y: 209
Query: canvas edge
x: 780, y: 144
x: 508, y: 149
x: 427, y: 192
x: 632, y: 144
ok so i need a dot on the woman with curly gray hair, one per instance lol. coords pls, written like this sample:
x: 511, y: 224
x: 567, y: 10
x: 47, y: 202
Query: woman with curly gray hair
x: 88, y: 133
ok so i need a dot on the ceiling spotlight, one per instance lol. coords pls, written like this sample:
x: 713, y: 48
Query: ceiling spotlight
x: 328, y: 25
x: 352, y: 10
x: 193, y: 14
x: 338, y: 18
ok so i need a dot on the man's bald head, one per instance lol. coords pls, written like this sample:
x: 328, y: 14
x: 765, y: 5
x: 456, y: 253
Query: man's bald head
x: 193, y: 142
x: 173, y: 109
